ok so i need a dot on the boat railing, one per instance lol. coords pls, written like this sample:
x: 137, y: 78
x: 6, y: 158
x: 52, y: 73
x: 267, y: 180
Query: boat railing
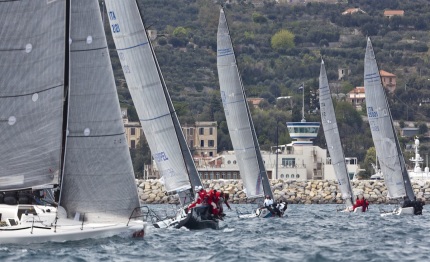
x: 144, y: 212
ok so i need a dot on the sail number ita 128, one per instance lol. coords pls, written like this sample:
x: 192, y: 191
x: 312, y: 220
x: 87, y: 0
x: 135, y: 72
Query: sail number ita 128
x: 115, y: 27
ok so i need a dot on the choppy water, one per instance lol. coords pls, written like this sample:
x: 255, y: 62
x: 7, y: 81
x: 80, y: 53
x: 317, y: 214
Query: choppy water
x: 309, y: 233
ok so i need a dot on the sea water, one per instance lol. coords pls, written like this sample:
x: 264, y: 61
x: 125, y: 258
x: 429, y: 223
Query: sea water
x: 307, y: 233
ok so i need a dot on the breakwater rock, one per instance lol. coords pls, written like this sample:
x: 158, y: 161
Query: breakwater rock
x: 295, y: 192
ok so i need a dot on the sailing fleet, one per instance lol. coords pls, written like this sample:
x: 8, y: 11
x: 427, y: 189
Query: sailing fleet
x: 65, y: 168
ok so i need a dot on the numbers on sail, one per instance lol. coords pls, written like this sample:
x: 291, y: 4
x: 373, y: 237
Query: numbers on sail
x: 126, y: 69
x: 112, y: 15
x: 121, y: 56
x: 115, y: 28
x: 371, y: 113
x: 160, y: 157
x: 373, y: 126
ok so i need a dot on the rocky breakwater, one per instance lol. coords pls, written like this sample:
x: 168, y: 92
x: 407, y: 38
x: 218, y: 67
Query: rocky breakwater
x: 297, y: 192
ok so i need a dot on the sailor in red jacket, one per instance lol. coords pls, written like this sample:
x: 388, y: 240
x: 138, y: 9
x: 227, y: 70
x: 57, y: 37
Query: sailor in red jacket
x: 361, y: 202
x: 200, y: 198
x: 213, y: 200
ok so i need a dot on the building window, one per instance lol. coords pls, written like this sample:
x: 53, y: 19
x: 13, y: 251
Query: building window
x: 133, y: 143
x: 210, y: 143
x: 211, y: 154
x: 234, y: 162
x: 212, y: 175
x: 287, y: 176
x: 211, y: 131
x: 228, y: 175
x: 229, y: 162
x: 202, y: 143
x: 289, y: 162
x: 201, y: 131
x: 234, y: 175
x: 191, y: 143
x: 282, y: 175
x: 191, y: 131
x: 297, y: 176
x: 133, y: 131
x: 217, y: 175
x: 222, y: 175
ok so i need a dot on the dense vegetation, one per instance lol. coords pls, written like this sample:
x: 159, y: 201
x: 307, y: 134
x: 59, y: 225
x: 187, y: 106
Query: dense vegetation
x: 272, y: 65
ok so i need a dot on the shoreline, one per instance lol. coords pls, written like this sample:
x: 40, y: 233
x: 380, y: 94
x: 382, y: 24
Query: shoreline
x: 292, y: 191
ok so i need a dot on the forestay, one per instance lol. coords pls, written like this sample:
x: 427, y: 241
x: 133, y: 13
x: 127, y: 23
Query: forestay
x: 150, y: 96
x: 238, y: 117
x: 98, y: 178
x: 31, y: 92
x: 384, y: 136
x: 331, y: 132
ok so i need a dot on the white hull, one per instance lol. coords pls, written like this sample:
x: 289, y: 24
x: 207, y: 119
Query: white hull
x: 67, y: 233
x: 24, y: 224
x: 399, y: 211
x: 261, y: 213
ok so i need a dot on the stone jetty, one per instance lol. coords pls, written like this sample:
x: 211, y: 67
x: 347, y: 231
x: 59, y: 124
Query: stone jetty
x: 294, y: 192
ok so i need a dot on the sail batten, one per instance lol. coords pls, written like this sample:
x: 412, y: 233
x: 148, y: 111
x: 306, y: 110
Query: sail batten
x: 160, y: 123
x: 331, y: 132
x: 239, y: 121
x: 387, y: 146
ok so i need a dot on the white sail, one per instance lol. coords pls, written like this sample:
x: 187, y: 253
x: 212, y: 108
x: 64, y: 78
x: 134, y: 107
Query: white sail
x: 238, y: 117
x: 98, y: 181
x: 31, y: 92
x: 150, y: 96
x: 331, y: 132
x: 384, y: 136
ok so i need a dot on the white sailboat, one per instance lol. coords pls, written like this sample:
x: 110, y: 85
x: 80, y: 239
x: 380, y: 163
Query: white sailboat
x: 332, y: 137
x: 239, y: 121
x: 61, y: 127
x: 156, y: 113
x: 387, y: 146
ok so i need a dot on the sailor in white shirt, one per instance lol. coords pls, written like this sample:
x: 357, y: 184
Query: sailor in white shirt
x: 268, y: 201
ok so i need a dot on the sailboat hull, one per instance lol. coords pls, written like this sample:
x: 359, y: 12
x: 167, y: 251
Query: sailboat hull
x: 63, y: 233
x: 259, y: 212
x: 400, y: 211
x: 198, y: 218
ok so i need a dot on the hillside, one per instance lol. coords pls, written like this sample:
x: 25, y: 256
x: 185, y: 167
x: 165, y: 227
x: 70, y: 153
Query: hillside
x: 186, y: 52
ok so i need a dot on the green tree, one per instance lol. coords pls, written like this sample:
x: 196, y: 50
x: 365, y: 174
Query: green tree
x: 283, y: 39
x: 141, y: 156
x: 369, y: 159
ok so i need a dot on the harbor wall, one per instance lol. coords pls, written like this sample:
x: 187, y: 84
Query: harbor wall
x: 294, y: 192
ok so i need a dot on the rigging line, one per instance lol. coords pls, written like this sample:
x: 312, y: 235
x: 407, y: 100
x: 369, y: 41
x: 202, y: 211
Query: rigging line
x: 32, y: 93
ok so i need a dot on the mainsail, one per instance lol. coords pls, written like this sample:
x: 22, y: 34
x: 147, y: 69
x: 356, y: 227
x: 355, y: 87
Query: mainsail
x: 151, y: 98
x: 331, y: 132
x: 98, y: 181
x: 239, y: 121
x: 31, y: 92
x: 384, y: 136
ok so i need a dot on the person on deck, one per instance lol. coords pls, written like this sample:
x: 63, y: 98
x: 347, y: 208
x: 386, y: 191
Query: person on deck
x: 361, y: 202
x: 200, y: 197
x: 222, y: 198
x: 282, y: 206
x: 213, y: 200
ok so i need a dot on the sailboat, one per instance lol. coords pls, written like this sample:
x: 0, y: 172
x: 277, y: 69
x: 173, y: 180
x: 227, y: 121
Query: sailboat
x: 391, y: 160
x: 239, y: 121
x: 154, y: 107
x: 332, y: 137
x: 61, y: 127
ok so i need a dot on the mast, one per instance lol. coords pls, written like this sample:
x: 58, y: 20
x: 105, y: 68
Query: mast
x: 66, y: 96
x: 303, y: 102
